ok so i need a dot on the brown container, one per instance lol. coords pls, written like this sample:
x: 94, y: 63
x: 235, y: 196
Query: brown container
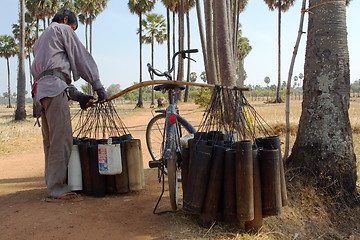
x: 85, y: 166
x: 185, y: 154
x: 98, y: 181
x: 122, y: 179
x: 257, y: 222
x: 135, y: 164
x: 244, y: 181
x: 199, y: 171
x: 210, y: 209
x: 270, y: 182
x: 273, y: 142
x: 228, y: 208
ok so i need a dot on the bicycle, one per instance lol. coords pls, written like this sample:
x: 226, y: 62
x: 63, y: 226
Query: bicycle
x: 164, y: 132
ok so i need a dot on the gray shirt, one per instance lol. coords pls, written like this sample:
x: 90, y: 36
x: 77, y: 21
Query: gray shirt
x: 58, y: 47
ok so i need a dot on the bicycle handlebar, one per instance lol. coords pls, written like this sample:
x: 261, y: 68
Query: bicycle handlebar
x: 167, y: 74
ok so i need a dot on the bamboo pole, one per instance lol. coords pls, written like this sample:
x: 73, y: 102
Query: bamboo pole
x: 157, y: 82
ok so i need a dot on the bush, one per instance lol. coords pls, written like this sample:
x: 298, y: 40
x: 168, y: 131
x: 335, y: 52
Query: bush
x: 203, y: 96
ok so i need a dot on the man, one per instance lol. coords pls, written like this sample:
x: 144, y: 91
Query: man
x: 58, y: 54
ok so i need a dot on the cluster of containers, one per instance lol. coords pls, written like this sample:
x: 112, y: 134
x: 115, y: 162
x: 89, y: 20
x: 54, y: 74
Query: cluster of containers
x: 233, y: 182
x: 106, y: 166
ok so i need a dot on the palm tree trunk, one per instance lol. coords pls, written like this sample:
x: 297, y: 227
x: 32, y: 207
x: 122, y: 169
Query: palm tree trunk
x: 152, y: 77
x: 168, y: 38
x: 140, y: 103
x: 224, y: 44
x: 278, y: 97
x: 210, y: 51
x: 186, y: 97
x: 20, y: 113
x: 174, y: 41
x: 324, y: 145
x: 202, y: 36
x: 288, y: 86
x: 9, y: 89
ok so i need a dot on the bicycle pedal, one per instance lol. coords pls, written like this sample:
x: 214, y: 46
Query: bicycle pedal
x: 155, y: 164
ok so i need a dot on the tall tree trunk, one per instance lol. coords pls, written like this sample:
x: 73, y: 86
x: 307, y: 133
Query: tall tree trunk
x: 168, y: 38
x: 211, y: 73
x: 324, y: 144
x: 288, y: 85
x: 224, y: 44
x: 152, y: 76
x: 9, y: 88
x: 20, y: 112
x: 278, y: 97
x: 186, y: 97
x: 202, y: 37
x: 140, y: 103
x: 180, y: 74
x: 174, y: 40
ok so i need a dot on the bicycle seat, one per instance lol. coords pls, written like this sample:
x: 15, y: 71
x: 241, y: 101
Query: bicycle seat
x: 168, y: 87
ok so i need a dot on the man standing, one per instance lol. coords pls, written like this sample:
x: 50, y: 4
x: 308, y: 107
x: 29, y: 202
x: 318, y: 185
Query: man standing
x: 58, y: 54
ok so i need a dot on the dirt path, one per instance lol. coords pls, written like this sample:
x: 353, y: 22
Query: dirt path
x: 25, y: 215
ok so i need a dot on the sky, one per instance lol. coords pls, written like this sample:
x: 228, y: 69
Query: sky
x: 116, y: 47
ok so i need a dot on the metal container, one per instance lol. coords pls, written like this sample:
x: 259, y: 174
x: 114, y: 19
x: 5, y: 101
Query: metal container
x: 210, y: 209
x: 244, y: 181
x: 270, y: 182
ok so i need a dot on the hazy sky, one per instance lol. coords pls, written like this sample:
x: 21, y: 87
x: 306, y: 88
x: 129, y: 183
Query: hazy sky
x: 116, y: 47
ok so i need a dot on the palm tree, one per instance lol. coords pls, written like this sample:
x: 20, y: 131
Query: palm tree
x: 243, y: 49
x: 140, y: 7
x: 323, y: 148
x: 30, y: 37
x: 282, y: 6
x: 89, y: 10
x: 170, y: 7
x: 155, y: 30
x: 8, y: 48
x: 267, y: 81
x: 20, y: 112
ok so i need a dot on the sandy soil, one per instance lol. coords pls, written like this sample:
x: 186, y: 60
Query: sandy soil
x: 24, y: 214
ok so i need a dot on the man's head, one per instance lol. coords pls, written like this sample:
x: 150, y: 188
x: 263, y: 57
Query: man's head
x: 66, y: 16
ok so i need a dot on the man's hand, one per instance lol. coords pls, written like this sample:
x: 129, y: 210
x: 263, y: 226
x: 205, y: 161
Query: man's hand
x: 84, y: 101
x: 102, y: 95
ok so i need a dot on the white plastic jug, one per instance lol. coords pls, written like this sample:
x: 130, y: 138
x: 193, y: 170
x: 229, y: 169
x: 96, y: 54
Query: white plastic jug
x: 109, y: 156
x: 74, y: 170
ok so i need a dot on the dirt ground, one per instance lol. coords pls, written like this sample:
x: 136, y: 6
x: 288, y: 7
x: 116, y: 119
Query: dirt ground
x: 24, y: 214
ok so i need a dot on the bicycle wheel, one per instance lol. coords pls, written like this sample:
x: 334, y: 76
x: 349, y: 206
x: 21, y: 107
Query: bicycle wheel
x: 155, y: 134
x: 173, y: 182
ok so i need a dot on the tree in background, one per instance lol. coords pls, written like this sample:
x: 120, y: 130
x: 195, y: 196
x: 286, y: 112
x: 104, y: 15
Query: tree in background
x: 88, y: 11
x: 243, y: 49
x: 281, y: 6
x: 267, y: 81
x: 323, y: 149
x: 140, y: 7
x: 8, y: 49
x: 20, y: 112
x: 154, y: 28
x: 113, y: 89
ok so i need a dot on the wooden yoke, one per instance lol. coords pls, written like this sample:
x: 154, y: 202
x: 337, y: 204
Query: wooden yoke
x: 157, y: 82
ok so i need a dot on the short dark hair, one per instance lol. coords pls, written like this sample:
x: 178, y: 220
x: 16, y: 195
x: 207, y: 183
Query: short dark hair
x: 60, y: 15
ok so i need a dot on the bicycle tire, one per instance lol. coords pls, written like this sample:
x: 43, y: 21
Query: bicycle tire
x: 155, y: 134
x: 173, y: 182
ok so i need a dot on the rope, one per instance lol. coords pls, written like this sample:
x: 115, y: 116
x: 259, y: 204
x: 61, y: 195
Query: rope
x: 322, y: 4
